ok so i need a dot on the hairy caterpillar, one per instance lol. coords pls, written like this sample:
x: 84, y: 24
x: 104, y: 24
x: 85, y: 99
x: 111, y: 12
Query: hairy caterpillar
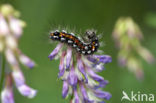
x: 85, y: 48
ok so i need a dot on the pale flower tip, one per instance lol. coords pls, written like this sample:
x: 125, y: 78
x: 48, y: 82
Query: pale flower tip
x: 18, y: 77
x: 7, y: 96
x: 15, y: 27
x: 26, y: 61
x: 4, y: 29
x: 11, y: 42
x: 10, y: 57
x: 27, y: 91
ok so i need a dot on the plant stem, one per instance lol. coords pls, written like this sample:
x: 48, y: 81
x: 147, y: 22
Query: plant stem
x: 2, y: 72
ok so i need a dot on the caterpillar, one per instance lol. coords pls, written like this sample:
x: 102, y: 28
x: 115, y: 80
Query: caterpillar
x: 85, y: 48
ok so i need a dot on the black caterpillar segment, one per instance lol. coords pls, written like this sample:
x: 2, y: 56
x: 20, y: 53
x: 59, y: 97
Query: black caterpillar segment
x: 87, y: 48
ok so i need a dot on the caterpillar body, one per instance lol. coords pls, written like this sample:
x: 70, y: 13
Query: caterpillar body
x: 85, y: 48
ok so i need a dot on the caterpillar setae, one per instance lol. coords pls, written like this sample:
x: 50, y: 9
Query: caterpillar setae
x: 85, y: 48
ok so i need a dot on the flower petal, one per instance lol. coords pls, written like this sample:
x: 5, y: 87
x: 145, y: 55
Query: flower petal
x: 11, y: 57
x: 61, y: 66
x: 55, y: 51
x: 7, y: 95
x: 94, y: 75
x: 84, y: 94
x: 27, y: 91
x: 98, y: 67
x: 4, y: 30
x: 65, y: 89
x: 76, y: 97
x: 104, y: 58
x: 15, y: 27
x: 68, y: 57
x: 18, y: 76
x: 82, y: 69
x: 72, y: 78
x: 102, y: 94
x: 26, y: 61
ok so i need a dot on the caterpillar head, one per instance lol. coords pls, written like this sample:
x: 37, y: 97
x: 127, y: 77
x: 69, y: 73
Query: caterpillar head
x: 91, y: 35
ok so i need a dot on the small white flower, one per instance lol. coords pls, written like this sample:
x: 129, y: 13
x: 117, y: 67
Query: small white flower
x: 15, y: 27
x: 10, y: 31
x: 27, y: 91
x: 11, y: 42
x: 7, y: 96
x: 4, y: 30
x: 18, y: 77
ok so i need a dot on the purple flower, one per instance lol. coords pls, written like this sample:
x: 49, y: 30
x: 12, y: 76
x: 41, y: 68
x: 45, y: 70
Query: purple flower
x: 94, y: 75
x: 84, y: 94
x: 11, y: 28
x: 26, y: 61
x: 4, y: 30
x: 27, y: 91
x: 15, y: 26
x: 72, y: 78
x: 76, y: 97
x: 55, y: 52
x: 100, y: 59
x: 68, y: 58
x: 7, y: 95
x: 102, y: 94
x: 18, y: 77
x: 104, y: 58
x: 81, y: 68
x: 127, y: 35
x: 65, y: 89
x: 98, y: 67
x: 21, y: 86
x: 78, y: 73
x: 61, y: 66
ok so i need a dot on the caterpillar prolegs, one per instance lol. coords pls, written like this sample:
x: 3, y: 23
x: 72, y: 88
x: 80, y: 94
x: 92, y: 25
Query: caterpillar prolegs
x: 85, y: 48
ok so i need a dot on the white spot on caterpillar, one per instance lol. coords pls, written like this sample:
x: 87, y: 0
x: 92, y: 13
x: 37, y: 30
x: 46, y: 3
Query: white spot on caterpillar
x: 83, y: 52
x: 56, y: 37
x: 74, y: 45
x: 78, y: 49
x: 86, y: 47
x: 89, y: 52
x: 69, y: 41
x: 63, y: 39
x: 96, y: 44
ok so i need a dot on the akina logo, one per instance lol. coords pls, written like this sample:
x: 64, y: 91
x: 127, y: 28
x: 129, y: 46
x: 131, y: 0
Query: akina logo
x: 137, y: 97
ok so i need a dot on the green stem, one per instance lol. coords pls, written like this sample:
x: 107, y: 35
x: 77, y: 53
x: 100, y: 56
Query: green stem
x: 2, y: 72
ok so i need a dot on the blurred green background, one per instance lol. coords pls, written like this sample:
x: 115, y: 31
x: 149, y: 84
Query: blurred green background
x: 41, y: 15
